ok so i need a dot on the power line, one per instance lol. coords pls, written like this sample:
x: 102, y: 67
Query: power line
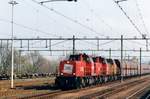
x: 59, y: 43
x: 101, y: 44
x: 37, y: 30
x: 107, y: 42
x: 99, y: 18
x: 141, y: 17
x: 29, y: 28
x: 138, y: 43
x: 49, y: 16
x: 69, y: 18
x: 52, y: 18
x: 50, y: 45
x: 91, y: 43
x: 134, y: 25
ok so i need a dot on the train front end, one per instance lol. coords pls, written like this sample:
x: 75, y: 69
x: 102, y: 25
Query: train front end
x: 69, y: 72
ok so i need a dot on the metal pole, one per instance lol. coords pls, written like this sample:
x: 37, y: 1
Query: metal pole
x: 121, y: 58
x: 19, y: 70
x: 97, y: 44
x: 12, y: 58
x: 128, y: 57
x: 28, y: 45
x: 1, y: 59
x: 46, y: 44
x: 12, y: 46
x: 140, y: 59
x: 110, y: 53
x: 146, y: 44
x: 50, y: 45
x: 1, y: 44
x: 7, y: 44
x: 73, y: 45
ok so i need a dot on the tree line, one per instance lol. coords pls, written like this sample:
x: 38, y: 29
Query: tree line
x: 30, y: 63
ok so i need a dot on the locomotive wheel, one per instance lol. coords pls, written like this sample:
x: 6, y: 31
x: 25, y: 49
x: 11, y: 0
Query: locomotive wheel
x: 90, y: 81
x: 57, y: 82
x: 80, y: 82
x: 95, y: 80
x: 86, y: 81
x: 77, y: 83
x: 83, y: 82
x: 100, y: 80
x: 106, y: 79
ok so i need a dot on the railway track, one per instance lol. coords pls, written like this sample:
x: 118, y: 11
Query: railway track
x: 139, y: 93
x: 60, y: 92
x: 32, y: 93
x: 116, y: 89
x: 135, y: 93
x: 113, y: 88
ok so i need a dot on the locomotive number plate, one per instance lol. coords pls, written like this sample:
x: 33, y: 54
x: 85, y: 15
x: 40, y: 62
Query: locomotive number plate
x: 68, y: 68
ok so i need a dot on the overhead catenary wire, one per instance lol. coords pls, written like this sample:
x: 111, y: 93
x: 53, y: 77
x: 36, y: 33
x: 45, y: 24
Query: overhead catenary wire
x: 101, y: 44
x: 107, y: 42
x: 69, y: 18
x: 29, y: 28
x: 138, y: 43
x: 68, y: 28
x: 57, y: 43
x: 52, y: 18
x: 99, y: 18
x: 141, y: 17
x: 130, y: 20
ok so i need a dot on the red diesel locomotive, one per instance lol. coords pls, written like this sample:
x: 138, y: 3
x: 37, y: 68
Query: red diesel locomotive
x: 81, y: 70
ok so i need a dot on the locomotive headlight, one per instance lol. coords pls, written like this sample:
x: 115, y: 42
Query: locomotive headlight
x: 74, y: 73
x: 61, y: 73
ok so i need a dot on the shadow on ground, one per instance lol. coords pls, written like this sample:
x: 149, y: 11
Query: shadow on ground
x: 45, y: 86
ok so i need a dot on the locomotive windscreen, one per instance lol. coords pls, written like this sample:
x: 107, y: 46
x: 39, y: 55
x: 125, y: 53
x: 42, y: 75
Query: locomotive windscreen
x: 110, y: 61
x: 74, y: 57
x: 117, y: 63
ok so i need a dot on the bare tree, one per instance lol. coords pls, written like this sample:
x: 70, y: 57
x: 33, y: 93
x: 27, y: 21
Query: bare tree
x: 5, y: 59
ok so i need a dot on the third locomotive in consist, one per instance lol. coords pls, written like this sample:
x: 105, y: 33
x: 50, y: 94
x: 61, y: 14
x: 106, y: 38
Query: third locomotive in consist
x: 82, y: 70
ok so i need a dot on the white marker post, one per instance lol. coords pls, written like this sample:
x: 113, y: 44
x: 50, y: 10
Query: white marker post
x: 12, y: 46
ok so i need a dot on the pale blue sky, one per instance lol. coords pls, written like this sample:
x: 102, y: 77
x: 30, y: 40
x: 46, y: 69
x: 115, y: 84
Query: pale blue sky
x: 35, y: 16
x: 103, y: 16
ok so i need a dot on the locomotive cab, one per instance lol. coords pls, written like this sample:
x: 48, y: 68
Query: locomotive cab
x: 73, y: 71
x: 74, y: 66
